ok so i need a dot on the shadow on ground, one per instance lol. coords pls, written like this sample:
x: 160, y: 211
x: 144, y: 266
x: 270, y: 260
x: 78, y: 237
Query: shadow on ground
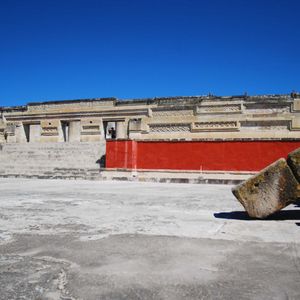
x: 234, y: 215
x: 242, y: 215
x: 102, y: 162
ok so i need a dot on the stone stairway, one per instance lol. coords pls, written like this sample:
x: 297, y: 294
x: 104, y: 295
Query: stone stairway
x: 79, y: 161
x: 176, y: 176
x: 51, y: 160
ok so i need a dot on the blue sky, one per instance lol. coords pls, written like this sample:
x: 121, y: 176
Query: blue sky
x: 71, y: 49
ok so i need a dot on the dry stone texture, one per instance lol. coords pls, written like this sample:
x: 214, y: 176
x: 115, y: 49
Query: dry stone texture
x: 272, y: 189
x: 294, y: 163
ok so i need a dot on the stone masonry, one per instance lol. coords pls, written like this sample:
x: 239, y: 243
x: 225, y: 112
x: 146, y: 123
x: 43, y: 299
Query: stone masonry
x: 189, y: 118
x: 67, y: 138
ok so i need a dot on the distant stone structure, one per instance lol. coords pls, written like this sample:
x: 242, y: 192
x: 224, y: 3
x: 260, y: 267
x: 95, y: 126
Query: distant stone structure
x: 188, y: 118
x: 197, y: 118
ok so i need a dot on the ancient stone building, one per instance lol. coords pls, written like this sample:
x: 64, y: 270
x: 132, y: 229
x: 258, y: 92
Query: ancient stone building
x: 159, y: 118
x: 86, y: 123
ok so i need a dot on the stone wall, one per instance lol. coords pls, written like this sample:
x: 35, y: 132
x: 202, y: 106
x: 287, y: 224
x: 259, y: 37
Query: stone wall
x: 217, y: 156
x: 51, y: 160
x: 173, y: 118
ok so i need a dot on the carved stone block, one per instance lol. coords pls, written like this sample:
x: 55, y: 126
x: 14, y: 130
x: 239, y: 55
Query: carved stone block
x: 169, y: 128
x: 135, y: 125
x: 81, y: 105
x: 272, y: 189
x: 90, y: 127
x: 172, y: 112
x: 49, y: 131
x: 219, y: 109
x: 215, y: 126
x: 50, y: 127
x: 11, y: 129
x: 294, y: 163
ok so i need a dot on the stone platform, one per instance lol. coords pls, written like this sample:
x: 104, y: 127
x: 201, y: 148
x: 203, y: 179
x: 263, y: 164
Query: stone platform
x: 51, y: 160
x: 81, y: 161
x: 173, y: 176
x: 132, y: 240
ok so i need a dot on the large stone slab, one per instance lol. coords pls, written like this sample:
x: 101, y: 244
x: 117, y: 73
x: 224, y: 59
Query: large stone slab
x: 272, y: 189
x: 294, y: 163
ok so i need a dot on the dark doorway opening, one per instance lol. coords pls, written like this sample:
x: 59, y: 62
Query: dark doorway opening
x: 65, y: 129
x: 27, y: 132
x: 109, y: 130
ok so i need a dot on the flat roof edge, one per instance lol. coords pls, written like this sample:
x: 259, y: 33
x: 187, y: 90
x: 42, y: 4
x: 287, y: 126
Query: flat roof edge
x: 158, y: 100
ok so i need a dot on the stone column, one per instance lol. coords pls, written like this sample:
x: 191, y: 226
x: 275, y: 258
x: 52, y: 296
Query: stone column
x: 34, y: 133
x: 74, y: 131
x: 20, y: 134
x: 2, y: 129
x: 121, y: 130
x: 10, y: 131
x: 2, y: 139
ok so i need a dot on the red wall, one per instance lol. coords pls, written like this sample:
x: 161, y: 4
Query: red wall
x: 196, y: 155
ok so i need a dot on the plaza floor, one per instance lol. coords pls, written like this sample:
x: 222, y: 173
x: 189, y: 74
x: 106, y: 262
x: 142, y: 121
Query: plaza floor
x: 67, y: 239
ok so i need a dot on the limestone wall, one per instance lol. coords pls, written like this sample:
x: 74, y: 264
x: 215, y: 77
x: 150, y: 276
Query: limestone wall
x: 51, y: 160
x: 174, y: 118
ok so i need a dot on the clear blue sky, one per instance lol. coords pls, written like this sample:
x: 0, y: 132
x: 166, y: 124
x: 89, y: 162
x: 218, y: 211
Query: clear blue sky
x: 70, y: 49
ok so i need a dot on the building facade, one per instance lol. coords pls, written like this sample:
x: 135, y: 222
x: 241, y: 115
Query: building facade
x: 173, y: 118
x: 238, y: 133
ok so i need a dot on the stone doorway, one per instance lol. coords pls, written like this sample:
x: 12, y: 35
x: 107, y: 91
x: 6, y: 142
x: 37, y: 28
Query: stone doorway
x: 119, y: 126
x: 30, y: 133
x: 27, y: 132
x: 109, y: 126
x: 65, y: 130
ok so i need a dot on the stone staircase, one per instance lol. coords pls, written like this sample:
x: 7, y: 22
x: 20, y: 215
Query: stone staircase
x: 79, y: 161
x: 176, y: 176
x: 51, y: 160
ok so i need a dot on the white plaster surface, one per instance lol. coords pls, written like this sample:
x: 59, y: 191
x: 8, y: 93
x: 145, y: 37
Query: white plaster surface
x: 105, y: 208
x: 133, y: 240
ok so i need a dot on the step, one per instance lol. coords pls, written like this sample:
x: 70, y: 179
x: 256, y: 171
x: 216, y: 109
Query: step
x: 169, y: 176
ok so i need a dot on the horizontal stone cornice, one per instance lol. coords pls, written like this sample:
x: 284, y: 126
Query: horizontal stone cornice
x: 77, y: 115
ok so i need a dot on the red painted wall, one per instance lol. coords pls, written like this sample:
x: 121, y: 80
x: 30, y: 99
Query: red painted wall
x: 196, y: 155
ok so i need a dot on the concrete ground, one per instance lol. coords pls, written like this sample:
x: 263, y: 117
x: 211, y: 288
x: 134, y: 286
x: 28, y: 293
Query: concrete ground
x: 127, y: 240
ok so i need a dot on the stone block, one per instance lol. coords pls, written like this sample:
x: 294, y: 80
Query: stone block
x: 90, y: 130
x: 272, y: 189
x: 294, y: 163
x: 74, y: 131
x: 296, y: 106
x: 35, y: 133
x: 135, y: 125
x: 2, y: 138
x: 295, y: 124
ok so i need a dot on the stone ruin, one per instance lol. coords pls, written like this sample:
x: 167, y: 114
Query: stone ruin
x: 169, y: 118
x: 272, y: 189
x: 66, y: 139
